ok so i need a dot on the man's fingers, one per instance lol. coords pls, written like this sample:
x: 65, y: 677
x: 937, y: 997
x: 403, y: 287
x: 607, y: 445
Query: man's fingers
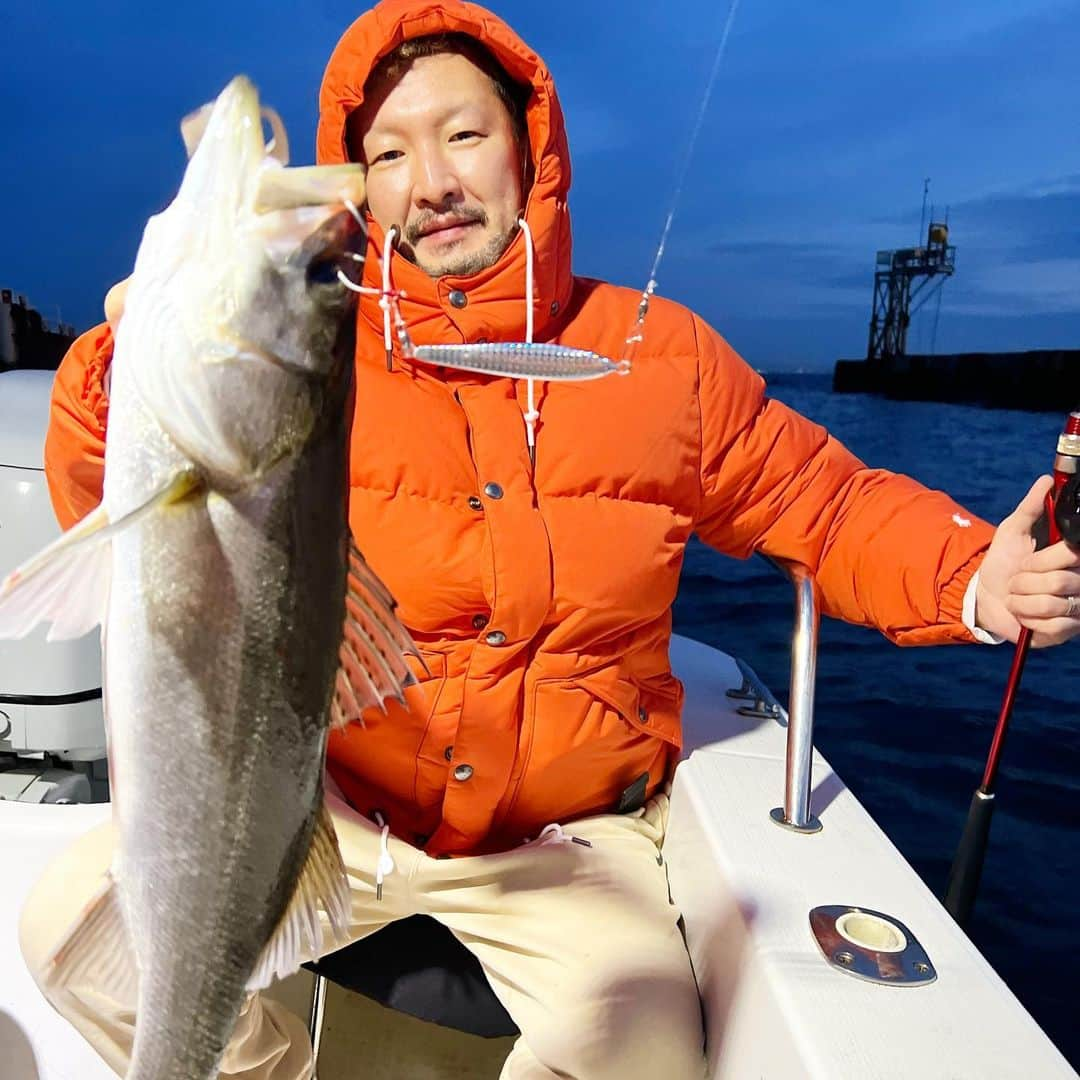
x: 1051, y: 583
x: 1058, y: 556
x: 1043, y: 607
x: 1023, y: 518
x: 1051, y: 631
x: 114, y: 302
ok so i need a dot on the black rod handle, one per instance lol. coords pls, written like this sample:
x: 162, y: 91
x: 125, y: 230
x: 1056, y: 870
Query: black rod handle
x: 967, y: 866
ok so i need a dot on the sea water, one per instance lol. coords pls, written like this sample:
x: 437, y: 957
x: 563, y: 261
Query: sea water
x: 909, y: 729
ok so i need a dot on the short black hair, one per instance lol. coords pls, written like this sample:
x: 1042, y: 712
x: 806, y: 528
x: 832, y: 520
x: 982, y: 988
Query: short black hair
x: 514, y: 95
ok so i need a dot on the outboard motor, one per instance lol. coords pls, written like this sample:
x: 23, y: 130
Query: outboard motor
x: 52, y: 727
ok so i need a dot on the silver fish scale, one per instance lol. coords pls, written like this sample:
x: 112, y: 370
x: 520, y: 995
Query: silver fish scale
x: 218, y: 737
x: 522, y: 360
x: 225, y: 604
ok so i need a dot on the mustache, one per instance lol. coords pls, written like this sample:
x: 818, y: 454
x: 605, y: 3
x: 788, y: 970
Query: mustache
x: 414, y: 231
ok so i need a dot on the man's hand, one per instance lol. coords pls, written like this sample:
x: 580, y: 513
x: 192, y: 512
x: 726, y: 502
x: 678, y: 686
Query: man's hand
x: 114, y: 303
x: 1022, y: 587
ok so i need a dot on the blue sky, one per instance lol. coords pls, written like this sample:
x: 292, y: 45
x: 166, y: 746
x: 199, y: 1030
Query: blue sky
x: 824, y: 122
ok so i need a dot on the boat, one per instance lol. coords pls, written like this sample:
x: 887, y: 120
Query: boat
x: 819, y: 952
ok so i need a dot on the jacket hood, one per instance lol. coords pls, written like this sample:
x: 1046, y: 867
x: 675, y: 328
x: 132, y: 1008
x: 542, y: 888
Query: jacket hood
x: 495, y: 298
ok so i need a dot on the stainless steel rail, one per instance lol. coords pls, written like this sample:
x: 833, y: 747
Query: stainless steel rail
x: 795, y: 813
x: 315, y: 1021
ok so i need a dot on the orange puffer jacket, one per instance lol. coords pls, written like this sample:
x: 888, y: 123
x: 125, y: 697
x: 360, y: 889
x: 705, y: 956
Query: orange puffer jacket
x: 541, y: 597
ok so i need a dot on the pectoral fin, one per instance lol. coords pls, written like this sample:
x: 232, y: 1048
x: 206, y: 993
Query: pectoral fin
x: 373, y: 649
x: 322, y: 886
x: 67, y: 583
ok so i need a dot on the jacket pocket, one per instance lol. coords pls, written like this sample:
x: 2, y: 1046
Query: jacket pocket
x: 659, y: 707
x: 586, y: 739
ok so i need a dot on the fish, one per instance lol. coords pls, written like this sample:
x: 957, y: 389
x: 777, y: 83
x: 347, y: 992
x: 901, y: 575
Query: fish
x: 239, y: 623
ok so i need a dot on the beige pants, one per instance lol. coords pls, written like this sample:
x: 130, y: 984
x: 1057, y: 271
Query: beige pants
x: 581, y: 945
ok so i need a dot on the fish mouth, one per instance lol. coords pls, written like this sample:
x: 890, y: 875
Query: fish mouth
x: 340, y: 243
x: 350, y: 233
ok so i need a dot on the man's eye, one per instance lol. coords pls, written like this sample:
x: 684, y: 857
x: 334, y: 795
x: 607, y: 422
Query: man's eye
x: 460, y: 136
x: 386, y: 155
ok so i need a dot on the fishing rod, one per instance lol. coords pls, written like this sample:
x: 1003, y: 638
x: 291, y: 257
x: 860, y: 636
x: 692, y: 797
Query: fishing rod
x: 1061, y: 521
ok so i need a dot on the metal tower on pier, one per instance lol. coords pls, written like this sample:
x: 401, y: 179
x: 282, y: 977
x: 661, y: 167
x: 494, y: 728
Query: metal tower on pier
x: 905, y: 279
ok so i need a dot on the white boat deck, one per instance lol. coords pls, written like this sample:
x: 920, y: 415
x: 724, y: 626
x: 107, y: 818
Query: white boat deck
x: 774, y: 1008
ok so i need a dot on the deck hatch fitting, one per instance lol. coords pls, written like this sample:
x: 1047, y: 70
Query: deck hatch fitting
x: 871, y: 946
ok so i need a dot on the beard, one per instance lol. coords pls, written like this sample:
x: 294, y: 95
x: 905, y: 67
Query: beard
x: 452, y: 261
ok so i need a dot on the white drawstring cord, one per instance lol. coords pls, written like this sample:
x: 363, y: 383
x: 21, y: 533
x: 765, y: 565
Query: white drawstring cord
x: 531, y: 416
x: 352, y: 208
x: 384, y: 300
x: 385, y: 864
x: 355, y: 256
x: 383, y: 293
x: 554, y: 834
x: 528, y: 279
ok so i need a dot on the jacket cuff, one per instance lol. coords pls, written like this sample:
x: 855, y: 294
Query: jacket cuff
x: 950, y: 625
x: 984, y: 637
x: 951, y: 604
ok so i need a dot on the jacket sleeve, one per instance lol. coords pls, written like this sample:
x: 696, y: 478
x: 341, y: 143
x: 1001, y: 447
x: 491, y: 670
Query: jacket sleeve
x: 887, y: 552
x: 75, y: 441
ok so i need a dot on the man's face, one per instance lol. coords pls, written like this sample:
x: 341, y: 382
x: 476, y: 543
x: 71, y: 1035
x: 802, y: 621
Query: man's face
x: 443, y: 163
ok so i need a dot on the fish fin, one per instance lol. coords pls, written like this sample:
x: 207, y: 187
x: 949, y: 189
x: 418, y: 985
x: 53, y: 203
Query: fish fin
x: 339, y: 718
x: 67, y: 583
x: 374, y: 645
x: 366, y: 587
x: 309, y: 185
x: 322, y: 886
x: 97, y: 949
x: 193, y: 127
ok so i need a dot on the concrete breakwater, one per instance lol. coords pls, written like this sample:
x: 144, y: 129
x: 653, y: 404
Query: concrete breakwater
x: 1039, y: 379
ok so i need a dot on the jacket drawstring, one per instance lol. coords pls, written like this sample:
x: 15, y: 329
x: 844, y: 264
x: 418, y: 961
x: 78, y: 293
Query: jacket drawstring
x: 384, y: 292
x: 532, y: 415
x: 554, y: 834
x: 384, y: 299
x: 384, y: 865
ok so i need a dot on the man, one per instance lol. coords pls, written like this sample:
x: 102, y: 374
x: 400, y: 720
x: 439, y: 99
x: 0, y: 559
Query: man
x: 539, y: 590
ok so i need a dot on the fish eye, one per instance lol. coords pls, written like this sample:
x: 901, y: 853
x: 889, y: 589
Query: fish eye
x: 323, y: 272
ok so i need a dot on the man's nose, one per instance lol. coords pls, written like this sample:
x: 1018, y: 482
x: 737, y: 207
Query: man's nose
x: 435, y: 182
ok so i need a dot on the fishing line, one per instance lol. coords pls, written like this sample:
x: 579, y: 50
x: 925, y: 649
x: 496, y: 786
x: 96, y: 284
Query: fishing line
x: 545, y: 361
x: 637, y: 328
